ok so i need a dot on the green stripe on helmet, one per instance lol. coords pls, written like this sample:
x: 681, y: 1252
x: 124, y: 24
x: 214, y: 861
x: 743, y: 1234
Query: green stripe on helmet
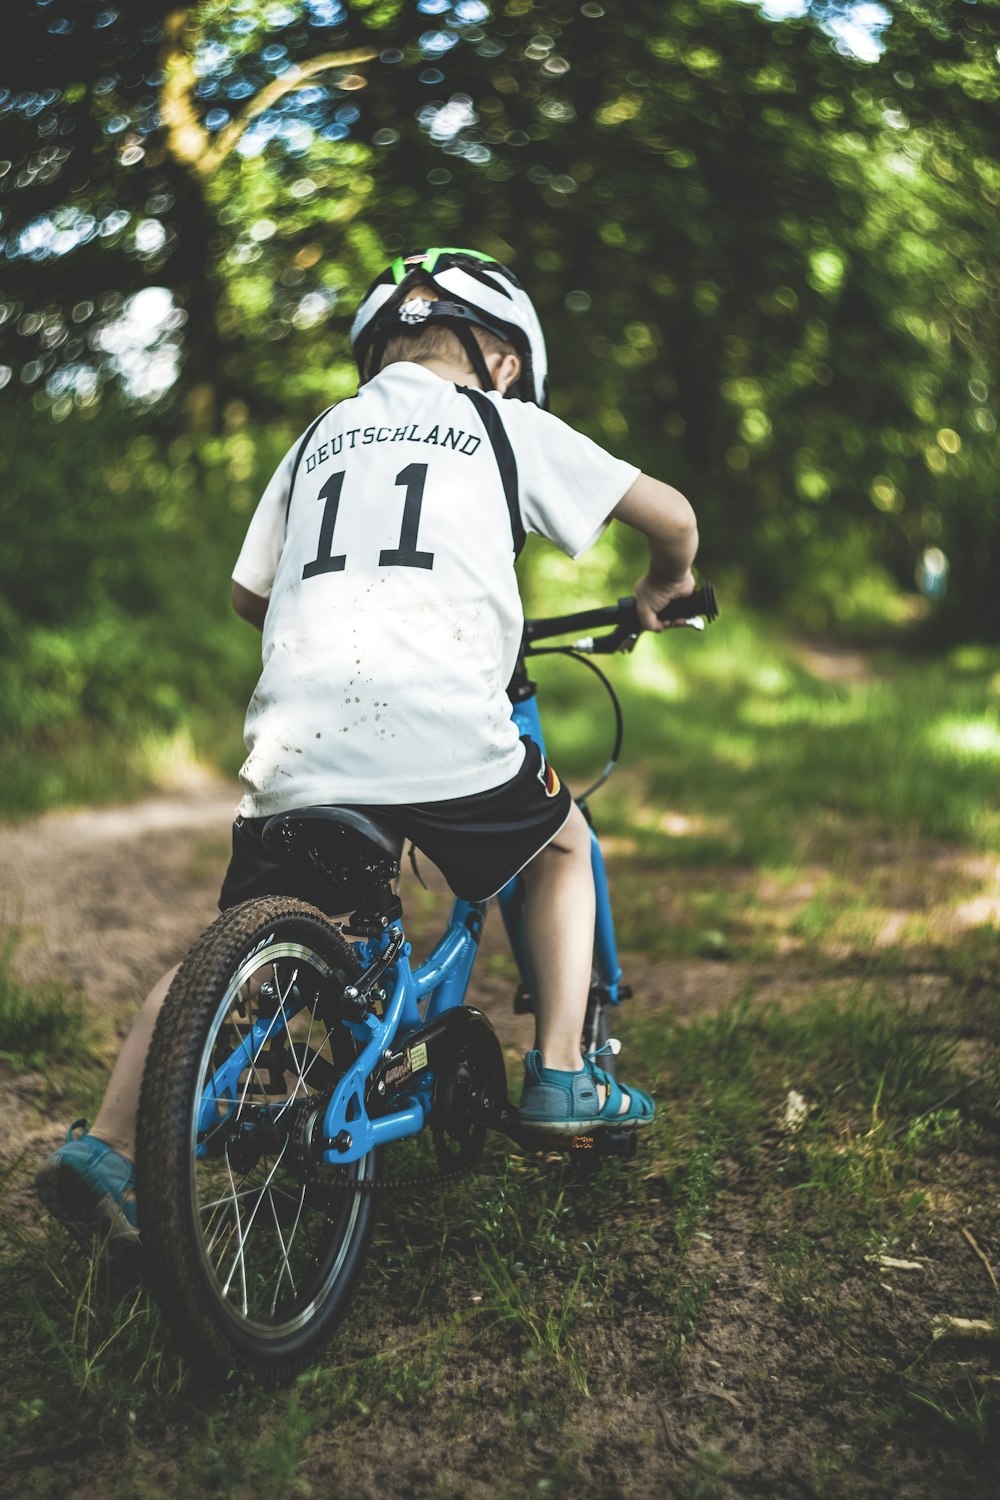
x: 402, y: 266
x: 432, y: 256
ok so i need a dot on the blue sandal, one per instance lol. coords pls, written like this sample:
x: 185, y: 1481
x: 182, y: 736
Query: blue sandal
x: 90, y: 1187
x: 562, y: 1103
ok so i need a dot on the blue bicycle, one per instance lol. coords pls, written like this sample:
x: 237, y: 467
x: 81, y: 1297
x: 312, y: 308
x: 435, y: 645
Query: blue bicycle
x: 293, y: 1049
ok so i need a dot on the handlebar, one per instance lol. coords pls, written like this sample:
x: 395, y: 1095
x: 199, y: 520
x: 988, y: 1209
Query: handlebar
x: 623, y: 620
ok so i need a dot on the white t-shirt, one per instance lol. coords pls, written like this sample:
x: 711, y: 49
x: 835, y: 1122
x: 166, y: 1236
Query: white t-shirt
x: 394, y: 619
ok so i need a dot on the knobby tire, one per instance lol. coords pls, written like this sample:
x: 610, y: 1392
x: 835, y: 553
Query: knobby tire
x: 251, y: 1269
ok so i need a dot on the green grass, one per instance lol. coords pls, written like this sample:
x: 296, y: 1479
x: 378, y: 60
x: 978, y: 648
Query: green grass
x: 524, y: 1268
x: 87, y: 764
x: 40, y: 1023
x: 736, y: 753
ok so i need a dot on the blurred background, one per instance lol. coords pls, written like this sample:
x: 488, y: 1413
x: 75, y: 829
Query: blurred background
x: 762, y: 241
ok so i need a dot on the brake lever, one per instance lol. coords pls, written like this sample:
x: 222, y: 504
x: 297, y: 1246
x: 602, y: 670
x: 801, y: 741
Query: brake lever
x: 619, y: 640
x: 626, y: 633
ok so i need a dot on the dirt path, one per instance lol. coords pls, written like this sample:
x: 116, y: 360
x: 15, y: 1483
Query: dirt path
x: 107, y: 898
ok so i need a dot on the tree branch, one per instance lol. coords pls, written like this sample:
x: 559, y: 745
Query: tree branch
x: 187, y: 139
x: 295, y: 78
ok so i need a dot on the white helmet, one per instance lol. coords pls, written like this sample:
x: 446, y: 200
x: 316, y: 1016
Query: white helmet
x: 472, y: 288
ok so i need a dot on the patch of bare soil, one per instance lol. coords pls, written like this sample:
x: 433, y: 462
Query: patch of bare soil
x: 104, y: 901
x: 771, y: 1393
x: 833, y: 661
x: 108, y: 898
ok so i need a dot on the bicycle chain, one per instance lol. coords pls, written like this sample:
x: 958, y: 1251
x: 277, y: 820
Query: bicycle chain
x: 388, y: 1184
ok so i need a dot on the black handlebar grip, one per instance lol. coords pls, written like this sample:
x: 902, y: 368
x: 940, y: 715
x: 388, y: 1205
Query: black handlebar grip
x: 701, y: 602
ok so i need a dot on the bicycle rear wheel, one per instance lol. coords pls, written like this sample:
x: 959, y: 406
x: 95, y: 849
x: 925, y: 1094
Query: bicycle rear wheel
x: 254, y: 1246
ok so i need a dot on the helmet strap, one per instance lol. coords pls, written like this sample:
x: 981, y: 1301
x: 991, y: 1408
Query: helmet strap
x: 457, y: 318
x: 373, y: 356
x: 463, y: 332
x: 386, y: 328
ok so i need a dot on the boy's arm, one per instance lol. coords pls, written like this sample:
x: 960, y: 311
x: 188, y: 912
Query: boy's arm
x: 249, y: 606
x: 261, y: 550
x: 668, y: 523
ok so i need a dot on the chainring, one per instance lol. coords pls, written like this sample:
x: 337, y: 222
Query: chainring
x: 468, y: 1094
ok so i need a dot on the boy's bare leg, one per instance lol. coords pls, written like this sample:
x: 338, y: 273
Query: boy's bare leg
x: 116, y: 1119
x: 559, y: 932
x: 559, y: 910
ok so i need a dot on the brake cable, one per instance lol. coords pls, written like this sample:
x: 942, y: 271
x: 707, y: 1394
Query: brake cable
x: 619, y: 718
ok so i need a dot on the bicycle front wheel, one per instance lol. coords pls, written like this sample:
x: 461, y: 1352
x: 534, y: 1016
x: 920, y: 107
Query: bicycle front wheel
x: 253, y: 1244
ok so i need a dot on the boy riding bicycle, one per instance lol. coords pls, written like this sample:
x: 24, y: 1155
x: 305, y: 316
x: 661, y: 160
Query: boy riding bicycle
x: 379, y: 566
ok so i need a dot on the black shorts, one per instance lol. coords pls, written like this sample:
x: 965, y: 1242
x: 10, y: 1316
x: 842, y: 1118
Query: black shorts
x: 478, y: 843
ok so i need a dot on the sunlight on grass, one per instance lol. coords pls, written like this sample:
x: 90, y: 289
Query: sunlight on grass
x: 654, y: 673
x: 773, y: 679
x: 736, y: 750
x: 773, y: 713
x: 170, y: 761
x: 680, y: 826
x: 800, y: 765
x: 966, y: 739
x: 973, y: 658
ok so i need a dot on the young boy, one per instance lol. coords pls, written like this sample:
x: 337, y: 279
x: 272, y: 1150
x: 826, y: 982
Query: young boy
x: 380, y: 567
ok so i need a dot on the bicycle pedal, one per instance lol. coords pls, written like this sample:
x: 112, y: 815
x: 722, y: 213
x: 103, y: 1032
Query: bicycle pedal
x: 621, y: 1143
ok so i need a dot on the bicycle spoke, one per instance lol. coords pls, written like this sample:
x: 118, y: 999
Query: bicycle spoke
x: 240, y: 1237
x: 252, y: 1061
x: 288, y: 1034
x: 317, y: 1057
x: 226, y: 1221
x: 285, y: 1264
x: 312, y: 1021
x: 244, y: 1232
x: 205, y: 1208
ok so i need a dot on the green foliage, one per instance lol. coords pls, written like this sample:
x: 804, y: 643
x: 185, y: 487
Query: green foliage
x: 767, y: 267
x: 128, y: 638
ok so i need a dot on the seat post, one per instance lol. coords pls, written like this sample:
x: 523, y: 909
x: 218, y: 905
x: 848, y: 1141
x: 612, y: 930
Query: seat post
x: 385, y: 910
x: 357, y: 853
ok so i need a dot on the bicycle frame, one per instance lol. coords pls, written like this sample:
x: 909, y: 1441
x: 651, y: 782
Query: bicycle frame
x: 440, y: 983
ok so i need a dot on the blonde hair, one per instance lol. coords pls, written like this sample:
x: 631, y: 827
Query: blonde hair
x: 435, y: 341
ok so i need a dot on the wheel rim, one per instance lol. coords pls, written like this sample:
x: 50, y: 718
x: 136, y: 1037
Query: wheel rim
x: 273, y: 1234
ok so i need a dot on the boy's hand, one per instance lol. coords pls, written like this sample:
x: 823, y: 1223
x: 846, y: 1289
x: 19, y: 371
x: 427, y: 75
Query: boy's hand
x: 668, y: 523
x: 651, y: 597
